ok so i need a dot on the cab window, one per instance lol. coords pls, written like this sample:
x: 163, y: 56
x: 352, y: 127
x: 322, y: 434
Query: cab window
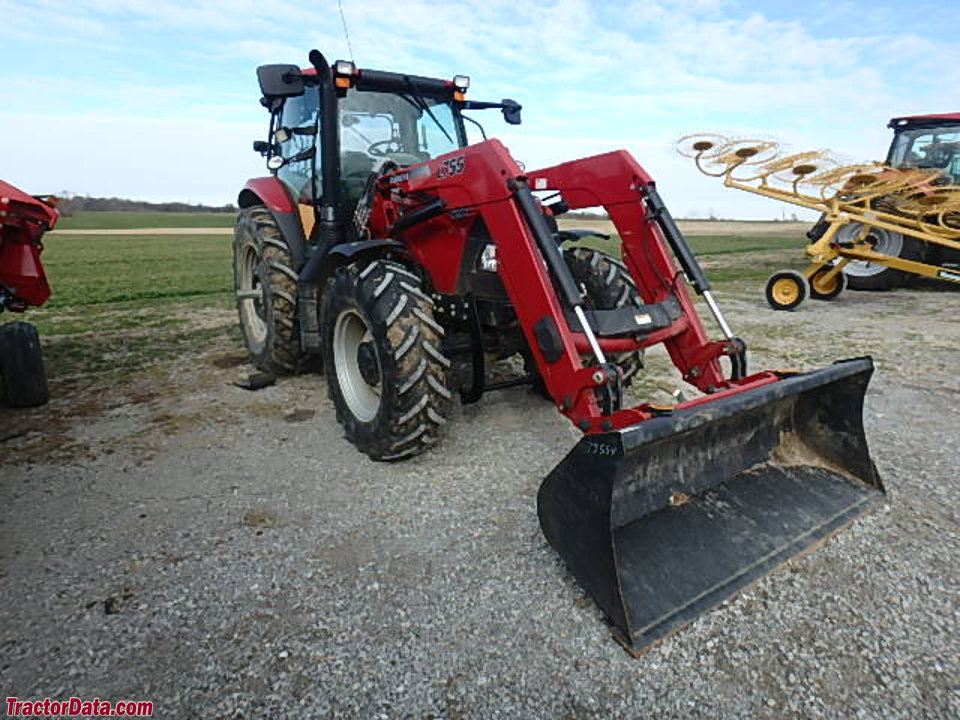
x: 925, y: 148
x: 299, y: 112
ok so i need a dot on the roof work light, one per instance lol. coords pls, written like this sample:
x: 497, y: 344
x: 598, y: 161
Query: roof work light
x: 461, y: 83
x: 344, y: 70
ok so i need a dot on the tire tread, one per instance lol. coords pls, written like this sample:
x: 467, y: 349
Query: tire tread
x: 414, y: 371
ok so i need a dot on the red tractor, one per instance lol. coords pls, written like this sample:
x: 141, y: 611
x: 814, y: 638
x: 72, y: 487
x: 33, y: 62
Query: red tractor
x: 23, y: 221
x: 403, y: 259
x: 919, y: 141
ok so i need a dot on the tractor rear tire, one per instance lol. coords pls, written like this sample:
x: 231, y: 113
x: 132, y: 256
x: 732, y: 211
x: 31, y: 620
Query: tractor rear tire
x: 266, y: 285
x: 609, y: 286
x: 386, y: 372
x: 23, y: 379
x: 862, y: 275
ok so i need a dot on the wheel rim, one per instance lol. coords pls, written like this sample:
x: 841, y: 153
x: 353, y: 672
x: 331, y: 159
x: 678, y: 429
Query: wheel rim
x: 250, y: 298
x: 785, y: 291
x: 883, y: 241
x: 824, y: 285
x: 353, y: 348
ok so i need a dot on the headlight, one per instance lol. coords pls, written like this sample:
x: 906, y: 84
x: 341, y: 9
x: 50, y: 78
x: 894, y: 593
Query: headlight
x: 488, y: 259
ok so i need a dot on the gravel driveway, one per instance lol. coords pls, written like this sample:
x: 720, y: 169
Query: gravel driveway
x: 228, y: 554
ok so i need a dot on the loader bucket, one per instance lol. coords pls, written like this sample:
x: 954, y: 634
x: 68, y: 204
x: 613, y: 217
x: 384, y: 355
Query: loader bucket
x: 665, y: 519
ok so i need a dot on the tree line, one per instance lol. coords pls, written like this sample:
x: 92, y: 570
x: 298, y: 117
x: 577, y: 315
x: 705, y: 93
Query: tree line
x: 74, y: 204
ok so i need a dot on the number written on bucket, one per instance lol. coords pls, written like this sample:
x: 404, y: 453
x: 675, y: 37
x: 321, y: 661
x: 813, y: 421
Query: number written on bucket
x: 602, y: 449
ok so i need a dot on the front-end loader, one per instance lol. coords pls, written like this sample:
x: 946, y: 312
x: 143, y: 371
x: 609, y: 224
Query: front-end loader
x: 405, y: 259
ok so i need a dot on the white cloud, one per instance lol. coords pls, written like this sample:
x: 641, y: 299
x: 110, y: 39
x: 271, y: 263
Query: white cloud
x: 188, y: 160
x: 181, y: 80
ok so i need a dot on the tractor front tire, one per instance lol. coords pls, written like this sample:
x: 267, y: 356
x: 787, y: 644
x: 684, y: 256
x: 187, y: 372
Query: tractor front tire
x: 266, y: 287
x: 609, y: 286
x: 382, y: 353
x: 23, y: 379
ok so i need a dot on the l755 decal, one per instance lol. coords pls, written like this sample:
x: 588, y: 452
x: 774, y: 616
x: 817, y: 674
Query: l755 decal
x: 450, y: 167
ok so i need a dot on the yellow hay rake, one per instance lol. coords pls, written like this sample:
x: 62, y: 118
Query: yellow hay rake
x: 859, y: 203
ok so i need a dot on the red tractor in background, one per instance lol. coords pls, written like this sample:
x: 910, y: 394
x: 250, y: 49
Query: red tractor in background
x: 404, y: 259
x: 23, y: 284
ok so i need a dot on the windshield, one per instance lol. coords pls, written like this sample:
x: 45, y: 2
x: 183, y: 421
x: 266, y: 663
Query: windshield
x: 928, y: 148
x: 405, y: 128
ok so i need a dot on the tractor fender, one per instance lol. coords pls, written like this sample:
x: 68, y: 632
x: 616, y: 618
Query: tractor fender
x: 346, y: 253
x: 271, y: 193
x: 319, y: 267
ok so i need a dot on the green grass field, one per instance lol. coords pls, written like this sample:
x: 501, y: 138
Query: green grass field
x: 122, y: 303
x: 128, y: 220
x: 730, y: 258
x: 103, y: 269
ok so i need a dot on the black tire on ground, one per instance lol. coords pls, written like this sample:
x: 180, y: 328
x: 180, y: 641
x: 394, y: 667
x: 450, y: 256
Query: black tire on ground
x: 870, y: 276
x: 787, y: 289
x: 266, y: 285
x: 386, y: 373
x: 822, y: 288
x: 23, y: 379
x: 609, y: 286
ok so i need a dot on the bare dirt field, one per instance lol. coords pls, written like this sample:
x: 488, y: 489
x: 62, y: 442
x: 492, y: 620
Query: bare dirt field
x: 168, y: 536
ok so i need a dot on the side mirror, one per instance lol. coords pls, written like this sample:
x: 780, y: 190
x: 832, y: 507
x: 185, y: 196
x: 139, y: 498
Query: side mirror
x: 280, y: 81
x: 511, y: 111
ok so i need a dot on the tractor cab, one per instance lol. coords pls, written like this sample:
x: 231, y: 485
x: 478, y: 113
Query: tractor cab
x: 927, y: 141
x: 337, y: 133
x: 379, y: 127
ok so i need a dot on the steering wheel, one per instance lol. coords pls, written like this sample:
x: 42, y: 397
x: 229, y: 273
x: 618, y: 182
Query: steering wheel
x: 383, y: 148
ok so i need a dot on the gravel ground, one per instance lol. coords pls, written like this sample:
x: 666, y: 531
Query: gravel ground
x: 228, y: 554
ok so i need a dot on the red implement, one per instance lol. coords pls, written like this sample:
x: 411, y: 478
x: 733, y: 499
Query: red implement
x: 23, y: 221
x: 23, y: 284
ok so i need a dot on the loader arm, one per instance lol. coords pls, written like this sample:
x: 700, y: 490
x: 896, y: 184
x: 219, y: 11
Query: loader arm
x: 488, y: 185
x: 616, y: 182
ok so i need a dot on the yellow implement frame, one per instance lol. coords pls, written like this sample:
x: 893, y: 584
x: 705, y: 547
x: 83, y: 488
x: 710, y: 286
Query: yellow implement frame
x: 913, y: 202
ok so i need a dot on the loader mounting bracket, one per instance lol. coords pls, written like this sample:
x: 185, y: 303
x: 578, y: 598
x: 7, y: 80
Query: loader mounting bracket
x: 629, y: 320
x: 478, y: 385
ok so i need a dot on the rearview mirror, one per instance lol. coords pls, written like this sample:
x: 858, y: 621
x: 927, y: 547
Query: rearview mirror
x: 511, y: 111
x: 280, y: 80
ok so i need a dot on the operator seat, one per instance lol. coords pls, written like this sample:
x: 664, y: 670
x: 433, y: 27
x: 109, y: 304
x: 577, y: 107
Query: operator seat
x: 355, y: 168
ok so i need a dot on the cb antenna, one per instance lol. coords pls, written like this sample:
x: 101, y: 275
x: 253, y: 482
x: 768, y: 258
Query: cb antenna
x: 346, y: 32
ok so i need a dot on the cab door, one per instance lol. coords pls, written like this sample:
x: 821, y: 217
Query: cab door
x: 299, y: 142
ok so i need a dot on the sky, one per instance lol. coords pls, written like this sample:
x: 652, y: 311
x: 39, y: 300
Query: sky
x: 158, y: 100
